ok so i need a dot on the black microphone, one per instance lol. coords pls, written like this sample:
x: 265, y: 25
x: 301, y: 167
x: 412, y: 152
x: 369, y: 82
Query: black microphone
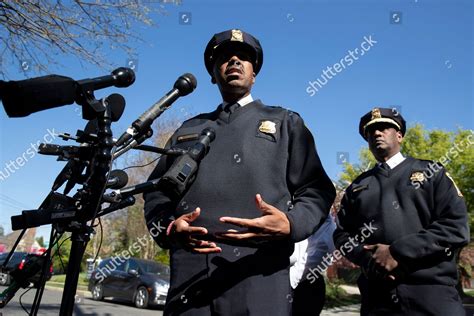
x: 117, y: 103
x: 183, y: 171
x: 179, y: 176
x: 119, y: 195
x: 183, y: 86
x: 121, y: 78
x: 21, y: 98
x: 200, y: 149
x: 117, y: 179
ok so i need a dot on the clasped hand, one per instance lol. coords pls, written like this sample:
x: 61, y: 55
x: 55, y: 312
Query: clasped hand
x: 383, y: 258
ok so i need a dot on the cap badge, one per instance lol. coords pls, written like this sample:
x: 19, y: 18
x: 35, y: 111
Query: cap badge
x: 267, y: 127
x: 376, y: 114
x: 417, y: 176
x: 237, y: 36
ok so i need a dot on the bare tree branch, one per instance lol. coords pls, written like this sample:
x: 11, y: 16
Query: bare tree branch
x: 40, y: 30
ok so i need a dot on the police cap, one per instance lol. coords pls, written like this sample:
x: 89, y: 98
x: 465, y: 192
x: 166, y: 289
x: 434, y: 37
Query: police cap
x: 235, y: 38
x: 382, y: 115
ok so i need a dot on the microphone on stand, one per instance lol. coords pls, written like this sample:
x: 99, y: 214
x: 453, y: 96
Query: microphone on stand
x: 178, y: 177
x: 21, y: 98
x: 183, y: 86
x: 117, y: 179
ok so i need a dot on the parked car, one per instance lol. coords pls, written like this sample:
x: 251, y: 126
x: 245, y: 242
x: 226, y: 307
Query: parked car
x: 18, y: 260
x: 143, y: 282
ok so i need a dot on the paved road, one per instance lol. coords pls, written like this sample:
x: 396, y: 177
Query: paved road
x: 84, y: 306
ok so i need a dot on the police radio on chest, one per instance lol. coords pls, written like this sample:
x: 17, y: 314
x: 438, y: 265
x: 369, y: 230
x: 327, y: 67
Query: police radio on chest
x: 183, y: 171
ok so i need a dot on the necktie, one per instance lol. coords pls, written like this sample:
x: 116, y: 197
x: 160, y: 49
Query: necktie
x: 384, y: 166
x: 230, y: 108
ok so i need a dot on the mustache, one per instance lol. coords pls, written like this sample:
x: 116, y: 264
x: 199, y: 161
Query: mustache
x: 234, y: 67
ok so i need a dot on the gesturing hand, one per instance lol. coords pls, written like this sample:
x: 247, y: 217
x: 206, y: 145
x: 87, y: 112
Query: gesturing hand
x: 181, y: 232
x: 273, y: 224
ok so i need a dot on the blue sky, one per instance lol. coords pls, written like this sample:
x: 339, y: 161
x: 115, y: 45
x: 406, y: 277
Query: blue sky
x: 422, y: 63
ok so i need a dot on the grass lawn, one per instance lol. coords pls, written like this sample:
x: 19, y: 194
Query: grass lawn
x: 336, y: 296
x: 60, y: 278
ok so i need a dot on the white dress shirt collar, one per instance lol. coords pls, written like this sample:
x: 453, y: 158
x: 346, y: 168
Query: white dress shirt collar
x: 395, y: 160
x: 242, y: 102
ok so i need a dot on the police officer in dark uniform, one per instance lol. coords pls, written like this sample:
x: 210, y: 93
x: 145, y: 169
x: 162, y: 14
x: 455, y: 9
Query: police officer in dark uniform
x: 419, y: 224
x: 260, y: 189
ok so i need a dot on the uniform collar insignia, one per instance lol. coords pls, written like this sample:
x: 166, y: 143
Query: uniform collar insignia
x: 267, y: 127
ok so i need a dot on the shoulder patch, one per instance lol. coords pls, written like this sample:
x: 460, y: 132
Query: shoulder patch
x: 454, y: 183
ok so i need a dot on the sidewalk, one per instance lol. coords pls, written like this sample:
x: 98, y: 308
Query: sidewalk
x: 350, y: 289
x: 349, y: 310
x: 354, y: 310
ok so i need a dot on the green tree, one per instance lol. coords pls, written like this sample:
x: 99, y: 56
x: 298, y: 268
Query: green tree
x: 40, y: 241
x: 61, y: 251
x: 2, y: 231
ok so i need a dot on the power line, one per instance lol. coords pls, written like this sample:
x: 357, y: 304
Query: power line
x: 14, y: 200
x: 12, y: 206
x: 6, y: 197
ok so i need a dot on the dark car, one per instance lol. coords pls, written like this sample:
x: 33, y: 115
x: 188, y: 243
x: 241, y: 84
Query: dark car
x: 143, y: 282
x: 17, y: 261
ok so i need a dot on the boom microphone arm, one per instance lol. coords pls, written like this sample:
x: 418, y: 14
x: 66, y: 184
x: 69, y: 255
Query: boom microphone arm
x: 21, y: 98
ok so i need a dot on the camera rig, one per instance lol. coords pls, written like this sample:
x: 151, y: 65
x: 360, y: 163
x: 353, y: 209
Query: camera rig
x: 89, y: 166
